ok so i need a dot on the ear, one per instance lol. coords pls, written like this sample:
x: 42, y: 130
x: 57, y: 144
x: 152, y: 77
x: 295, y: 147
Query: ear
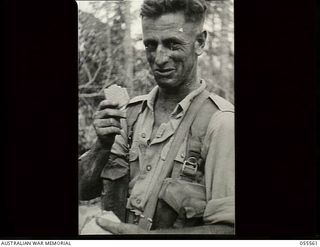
x: 200, y: 42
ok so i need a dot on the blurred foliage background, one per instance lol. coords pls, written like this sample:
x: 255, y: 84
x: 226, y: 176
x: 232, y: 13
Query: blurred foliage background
x: 111, y: 52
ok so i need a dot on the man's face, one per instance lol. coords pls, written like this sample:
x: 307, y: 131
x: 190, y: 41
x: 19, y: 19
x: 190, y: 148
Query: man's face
x: 170, y: 48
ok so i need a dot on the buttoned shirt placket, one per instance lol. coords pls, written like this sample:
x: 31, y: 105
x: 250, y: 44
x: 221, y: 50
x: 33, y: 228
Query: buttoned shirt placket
x: 153, y: 154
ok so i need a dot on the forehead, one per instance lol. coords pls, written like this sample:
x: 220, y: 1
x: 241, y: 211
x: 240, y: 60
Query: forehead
x: 169, y: 23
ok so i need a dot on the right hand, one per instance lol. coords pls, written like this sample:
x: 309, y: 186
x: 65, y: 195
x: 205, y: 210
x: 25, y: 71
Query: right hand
x: 106, y: 121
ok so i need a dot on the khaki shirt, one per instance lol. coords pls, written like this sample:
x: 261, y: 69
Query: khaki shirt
x: 147, y: 157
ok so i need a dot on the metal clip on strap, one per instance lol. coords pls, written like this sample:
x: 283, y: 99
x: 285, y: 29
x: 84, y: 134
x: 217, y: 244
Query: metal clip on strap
x: 190, y: 166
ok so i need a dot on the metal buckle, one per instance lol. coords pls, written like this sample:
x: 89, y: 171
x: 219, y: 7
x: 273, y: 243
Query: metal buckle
x: 190, y: 166
x: 137, y: 217
x: 142, y: 216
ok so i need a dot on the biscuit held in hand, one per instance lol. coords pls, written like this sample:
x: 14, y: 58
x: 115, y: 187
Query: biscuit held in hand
x: 118, y: 95
x: 106, y: 122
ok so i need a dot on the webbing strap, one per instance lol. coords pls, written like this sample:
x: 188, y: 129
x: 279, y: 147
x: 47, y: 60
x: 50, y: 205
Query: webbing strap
x: 146, y: 219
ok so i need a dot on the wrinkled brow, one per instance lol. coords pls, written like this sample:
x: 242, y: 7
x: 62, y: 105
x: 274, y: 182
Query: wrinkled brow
x: 167, y: 39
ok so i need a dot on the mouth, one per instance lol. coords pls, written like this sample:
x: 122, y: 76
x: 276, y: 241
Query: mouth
x: 164, y: 72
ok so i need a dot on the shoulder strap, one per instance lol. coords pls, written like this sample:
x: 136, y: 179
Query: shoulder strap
x: 146, y: 220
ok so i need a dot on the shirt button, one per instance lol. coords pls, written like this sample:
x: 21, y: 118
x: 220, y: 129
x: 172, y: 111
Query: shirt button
x: 138, y: 201
x: 143, y: 135
x: 149, y: 167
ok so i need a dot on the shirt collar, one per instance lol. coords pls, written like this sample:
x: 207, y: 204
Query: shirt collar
x: 182, y: 106
x: 152, y: 97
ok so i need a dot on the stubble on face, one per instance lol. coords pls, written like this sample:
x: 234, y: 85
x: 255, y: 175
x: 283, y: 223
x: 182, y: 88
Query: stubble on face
x: 169, y: 42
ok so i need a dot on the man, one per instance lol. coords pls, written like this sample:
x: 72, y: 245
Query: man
x: 184, y: 186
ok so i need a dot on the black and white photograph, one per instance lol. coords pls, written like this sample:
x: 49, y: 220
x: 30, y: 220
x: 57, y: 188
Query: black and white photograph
x: 156, y: 117
x: 160, y: 121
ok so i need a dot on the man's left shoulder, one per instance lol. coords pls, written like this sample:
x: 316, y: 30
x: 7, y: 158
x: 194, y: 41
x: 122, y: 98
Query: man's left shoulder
x: 222, y: 104
x: 223, y: 120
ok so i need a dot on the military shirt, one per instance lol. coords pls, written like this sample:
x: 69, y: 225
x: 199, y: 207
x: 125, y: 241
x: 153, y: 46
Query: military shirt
x: 146, y: 157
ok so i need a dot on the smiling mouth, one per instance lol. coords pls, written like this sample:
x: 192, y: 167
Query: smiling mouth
x: 164, y: 72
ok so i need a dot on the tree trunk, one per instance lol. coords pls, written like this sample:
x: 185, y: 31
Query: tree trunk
x: 128, y: 47
x: 224, y: 44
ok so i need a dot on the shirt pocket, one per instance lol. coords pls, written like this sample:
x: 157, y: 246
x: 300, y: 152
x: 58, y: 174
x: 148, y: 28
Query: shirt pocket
x: 181, y: 194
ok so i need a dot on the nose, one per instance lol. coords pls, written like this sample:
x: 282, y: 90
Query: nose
x: 161, y: 56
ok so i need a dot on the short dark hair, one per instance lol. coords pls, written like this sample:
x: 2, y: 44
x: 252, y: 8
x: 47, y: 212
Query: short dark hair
x: 194, y: 10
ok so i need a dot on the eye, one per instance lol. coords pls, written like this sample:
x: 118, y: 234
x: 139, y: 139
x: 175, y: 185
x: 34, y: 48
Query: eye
x: 150, y: 46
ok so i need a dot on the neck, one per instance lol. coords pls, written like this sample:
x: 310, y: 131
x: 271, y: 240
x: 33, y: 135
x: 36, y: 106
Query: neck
x: 175, y: 95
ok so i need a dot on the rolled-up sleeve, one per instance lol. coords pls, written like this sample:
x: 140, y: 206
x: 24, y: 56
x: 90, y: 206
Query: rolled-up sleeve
x: 117, y: 165
x: 219, y: 148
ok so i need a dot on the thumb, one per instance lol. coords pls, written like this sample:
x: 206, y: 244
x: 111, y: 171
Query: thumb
x: 108, y: 225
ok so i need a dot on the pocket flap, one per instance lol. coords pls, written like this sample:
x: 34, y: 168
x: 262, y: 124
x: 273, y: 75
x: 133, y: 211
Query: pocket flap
x: 182, y: 194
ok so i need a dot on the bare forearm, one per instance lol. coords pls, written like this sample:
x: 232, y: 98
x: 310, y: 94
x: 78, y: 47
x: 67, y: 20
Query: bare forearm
x: 90, y: 168
x: 219, y: 229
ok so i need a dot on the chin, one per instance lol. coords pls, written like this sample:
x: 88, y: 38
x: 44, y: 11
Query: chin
x: 167, y: 83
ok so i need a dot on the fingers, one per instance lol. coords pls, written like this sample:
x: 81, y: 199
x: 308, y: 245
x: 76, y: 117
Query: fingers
x: 119, y: 228
x: 107, y: 104
x: 110, y: 122
x: 110, y: 226
x: 109, y: 112
x: 106, y: 121
x: 108, y: 131
x: 105, y: 127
